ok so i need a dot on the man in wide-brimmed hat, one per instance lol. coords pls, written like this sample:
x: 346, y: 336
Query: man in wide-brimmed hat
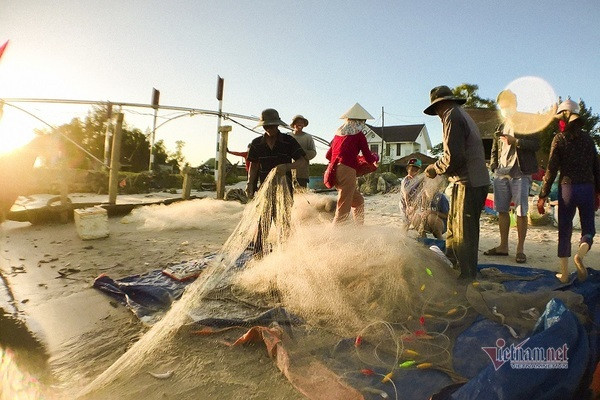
x: 463, y: 162
x: 308, y: 145
x: 273, y: 150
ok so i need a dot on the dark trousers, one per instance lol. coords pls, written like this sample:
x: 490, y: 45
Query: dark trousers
x: 462, y: 237
x: 270, y: 216
x: 571, y: 198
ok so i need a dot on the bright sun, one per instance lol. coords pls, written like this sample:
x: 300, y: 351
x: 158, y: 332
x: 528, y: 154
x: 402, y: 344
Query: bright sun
x: 16, y: 129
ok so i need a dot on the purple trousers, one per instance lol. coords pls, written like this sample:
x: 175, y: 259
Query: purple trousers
x: 571, y: 198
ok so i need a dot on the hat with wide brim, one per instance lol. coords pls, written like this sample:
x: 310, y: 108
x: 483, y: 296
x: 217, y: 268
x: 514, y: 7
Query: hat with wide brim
x: 297, y: 117
x: 439, y: 94
x: 270, y: 117
x: 356, y: 112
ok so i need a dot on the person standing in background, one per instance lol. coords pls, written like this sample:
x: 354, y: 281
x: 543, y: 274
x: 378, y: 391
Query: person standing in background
x: 463, y: 161
x: 513, y: 161
x: 348, y: 142
x: 574, y: 154
x: 308, y: 145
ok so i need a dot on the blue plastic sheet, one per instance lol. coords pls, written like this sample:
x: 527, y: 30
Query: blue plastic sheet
x: 558, y: 326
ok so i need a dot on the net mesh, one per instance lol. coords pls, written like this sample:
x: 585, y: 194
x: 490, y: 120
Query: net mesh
x: 394, y: 299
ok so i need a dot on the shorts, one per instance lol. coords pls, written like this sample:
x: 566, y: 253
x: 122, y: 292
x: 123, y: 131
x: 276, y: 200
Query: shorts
x: 515, y: 190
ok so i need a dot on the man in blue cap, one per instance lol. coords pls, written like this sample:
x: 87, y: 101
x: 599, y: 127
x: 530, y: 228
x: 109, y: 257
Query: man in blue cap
x: 425, y: 213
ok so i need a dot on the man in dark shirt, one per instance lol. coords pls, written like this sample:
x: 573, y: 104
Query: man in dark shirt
x: 273, y: 150
x: 463, y: 162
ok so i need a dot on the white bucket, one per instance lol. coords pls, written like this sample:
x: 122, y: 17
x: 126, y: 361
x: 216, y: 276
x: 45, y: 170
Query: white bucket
x: 91, y: 223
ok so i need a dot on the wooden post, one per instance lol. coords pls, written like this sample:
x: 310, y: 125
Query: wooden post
x: 115, y: 165
x: 155, y: 99
x: 187, y: 183
x: 107, y: 137
x: 220, y: 83
x: 224, y: 131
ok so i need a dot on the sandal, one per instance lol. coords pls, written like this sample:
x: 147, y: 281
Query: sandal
x: 521, y: 258
x: 494, y: 252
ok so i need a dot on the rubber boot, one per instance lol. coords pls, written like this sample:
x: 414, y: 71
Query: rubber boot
x: 582, y: 273
x: 563, y: 275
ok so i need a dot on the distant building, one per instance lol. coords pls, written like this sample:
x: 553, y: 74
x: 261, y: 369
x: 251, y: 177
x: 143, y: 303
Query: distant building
x: 487, y: 120
x: 398, y: 141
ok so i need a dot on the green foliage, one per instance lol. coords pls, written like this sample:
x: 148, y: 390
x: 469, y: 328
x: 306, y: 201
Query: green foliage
x: 134, y: 150
x: 316, y: 169
x: 437, y: 150
x: 591, y: 122
x: 469, y: 91
x: 90, y: 135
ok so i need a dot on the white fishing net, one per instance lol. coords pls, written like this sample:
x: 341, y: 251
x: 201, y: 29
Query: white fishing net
x: 397, y: 301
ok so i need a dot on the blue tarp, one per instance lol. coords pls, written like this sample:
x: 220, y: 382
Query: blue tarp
x: 557, y: 327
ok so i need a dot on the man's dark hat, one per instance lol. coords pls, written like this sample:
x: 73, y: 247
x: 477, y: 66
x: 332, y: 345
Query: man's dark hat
x: 268, y: 117
x: 441, y: 93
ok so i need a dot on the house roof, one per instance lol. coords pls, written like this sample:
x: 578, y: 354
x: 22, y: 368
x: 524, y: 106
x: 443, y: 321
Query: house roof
x: 398, y: 133
x: 425, y: 159
x: 487, y: 120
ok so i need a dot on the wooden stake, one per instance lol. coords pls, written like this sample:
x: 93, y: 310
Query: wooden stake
x: 115, y: 165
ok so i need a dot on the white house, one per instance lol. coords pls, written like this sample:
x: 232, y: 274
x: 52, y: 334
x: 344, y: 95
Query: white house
x: 398, y: 141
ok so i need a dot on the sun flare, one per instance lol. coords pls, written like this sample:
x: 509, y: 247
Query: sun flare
x: 16, y: 130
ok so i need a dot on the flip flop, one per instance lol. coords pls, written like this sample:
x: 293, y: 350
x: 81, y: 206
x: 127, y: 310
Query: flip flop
x: 494, y: 252
x: 521, y: 258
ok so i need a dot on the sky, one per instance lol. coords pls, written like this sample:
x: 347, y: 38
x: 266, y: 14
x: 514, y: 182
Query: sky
x: 315, y: 58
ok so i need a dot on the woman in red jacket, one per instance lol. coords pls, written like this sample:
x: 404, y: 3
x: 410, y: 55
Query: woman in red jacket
x: 348, y: 142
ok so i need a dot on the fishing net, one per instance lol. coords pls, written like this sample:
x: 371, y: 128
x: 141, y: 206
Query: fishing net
x: 423, y: 205
x: 352, y: 295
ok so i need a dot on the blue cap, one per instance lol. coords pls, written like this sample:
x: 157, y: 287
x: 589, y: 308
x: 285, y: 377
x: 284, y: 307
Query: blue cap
x: 415, y: 162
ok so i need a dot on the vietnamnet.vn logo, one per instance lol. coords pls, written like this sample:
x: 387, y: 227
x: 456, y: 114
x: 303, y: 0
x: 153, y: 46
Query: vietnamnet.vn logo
x: 521, y: 357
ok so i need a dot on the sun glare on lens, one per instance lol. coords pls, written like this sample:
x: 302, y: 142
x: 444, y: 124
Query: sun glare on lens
x: 536, y: 103
x: 16, y: 130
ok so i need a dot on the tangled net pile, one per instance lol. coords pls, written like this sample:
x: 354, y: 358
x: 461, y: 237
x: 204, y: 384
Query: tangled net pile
x: 393, y: 299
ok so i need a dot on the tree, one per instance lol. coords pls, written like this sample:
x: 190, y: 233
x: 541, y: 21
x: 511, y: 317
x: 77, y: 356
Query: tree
x: 177, y: 159
x: 591, y: 122
x: 135, y: 155
x: 469, y: 91
x: 90, y: 135
x: 437, y: 149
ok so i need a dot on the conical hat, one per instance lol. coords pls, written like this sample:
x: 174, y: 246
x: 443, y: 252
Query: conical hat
x: 356, y: 112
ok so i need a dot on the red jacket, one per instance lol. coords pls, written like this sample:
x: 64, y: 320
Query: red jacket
x: 346, y: 148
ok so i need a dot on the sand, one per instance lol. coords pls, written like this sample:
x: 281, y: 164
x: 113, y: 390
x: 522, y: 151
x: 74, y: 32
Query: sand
x: 85, y: 331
